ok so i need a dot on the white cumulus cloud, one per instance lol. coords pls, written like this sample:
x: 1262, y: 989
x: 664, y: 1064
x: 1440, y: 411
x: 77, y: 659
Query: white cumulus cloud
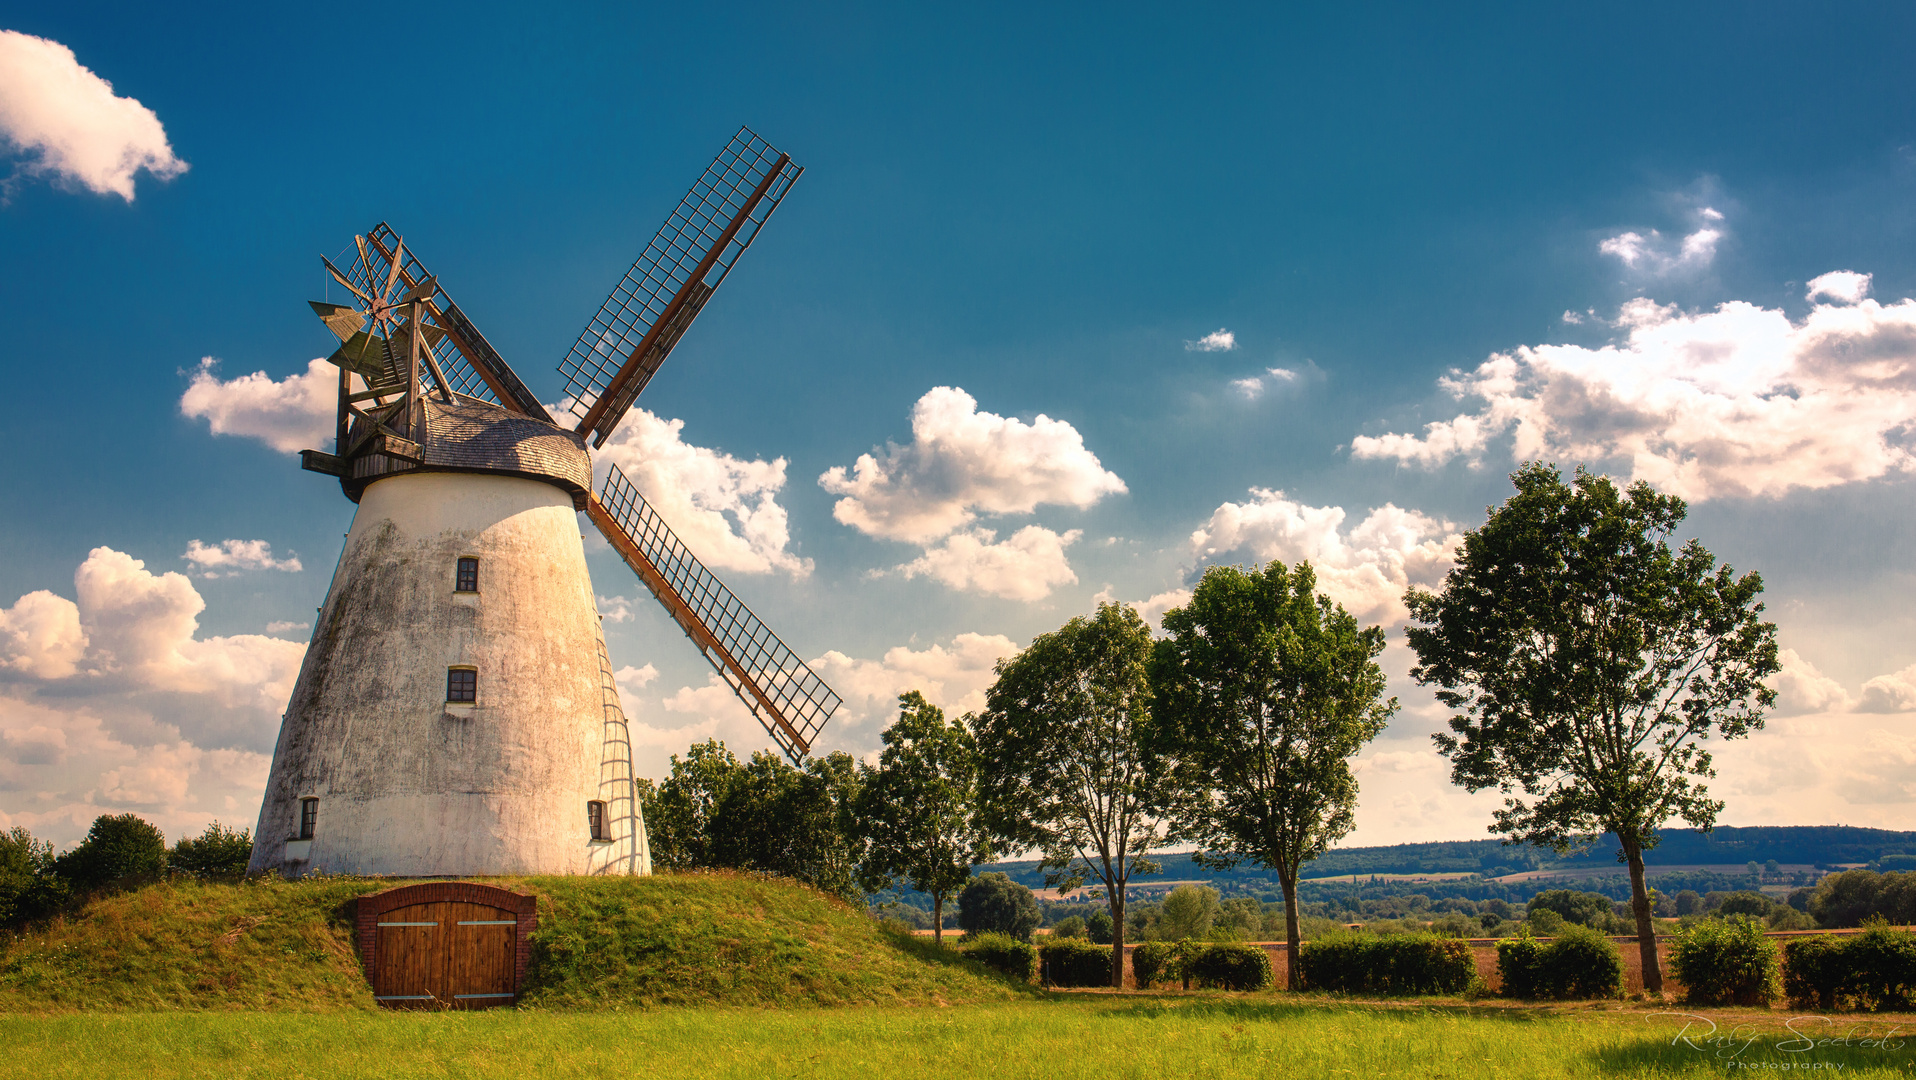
x: 1842, y: 286
x: 1892, y: 693
x: 1659, y: 255
x: 1026, y: 565
x: 229, y: 557
x: 1739, y: 401
x: 112, y: 701
x: 1219, y: 340
x: 725, y: 508
x: 962, y: 462
x: 1365, y: 567
x: 291, y: 414
x: 70, y: 124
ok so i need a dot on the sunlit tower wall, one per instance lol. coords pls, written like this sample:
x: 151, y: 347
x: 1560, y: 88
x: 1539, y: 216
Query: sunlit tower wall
x: 449, y: 725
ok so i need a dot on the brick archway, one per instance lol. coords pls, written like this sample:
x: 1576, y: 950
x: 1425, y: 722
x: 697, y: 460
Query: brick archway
x: 446, y: 944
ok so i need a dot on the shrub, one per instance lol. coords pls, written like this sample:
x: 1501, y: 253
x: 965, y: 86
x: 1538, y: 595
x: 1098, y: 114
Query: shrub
x: 218, y: 854
x: 1882, y: 968
x: 119, y: 848
x: 1004, y: 952
x: 1100, y: 927
x: 1578, y: 963
x: 1727, y: 962
x: 1416, y: 963
x: 993, y: 903
x: 28, y: 887
x: 1152, y: 961
x: 1074, y: 961
x: 1231, y: 966
x: 1068, y: 927
x: 1814, y: 969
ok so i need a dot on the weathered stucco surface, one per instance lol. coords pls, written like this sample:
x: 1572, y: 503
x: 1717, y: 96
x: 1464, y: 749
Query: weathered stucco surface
x: 411, y: 785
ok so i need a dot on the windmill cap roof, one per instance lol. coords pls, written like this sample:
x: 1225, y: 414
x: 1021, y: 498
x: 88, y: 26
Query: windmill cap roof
x: 470, y: 435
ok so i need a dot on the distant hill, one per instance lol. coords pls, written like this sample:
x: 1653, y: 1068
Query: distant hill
x: 1814, y: 845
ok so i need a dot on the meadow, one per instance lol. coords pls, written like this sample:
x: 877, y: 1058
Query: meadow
x: 1066, y: 1035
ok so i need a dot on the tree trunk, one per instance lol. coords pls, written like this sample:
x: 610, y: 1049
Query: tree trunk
x: 1287, y: 879
x: 1117, y: 936
x: 938, y: 918
x: 1640, y: 905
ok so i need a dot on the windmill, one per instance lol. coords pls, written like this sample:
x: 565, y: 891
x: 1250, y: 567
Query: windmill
x: 456, y: 712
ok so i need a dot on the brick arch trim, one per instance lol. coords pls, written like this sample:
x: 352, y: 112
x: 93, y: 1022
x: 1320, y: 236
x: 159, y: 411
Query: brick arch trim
x: 523, y: 906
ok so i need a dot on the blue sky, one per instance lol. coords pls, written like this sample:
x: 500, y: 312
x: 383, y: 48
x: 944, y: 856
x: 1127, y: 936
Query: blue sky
x: 1051, y: 211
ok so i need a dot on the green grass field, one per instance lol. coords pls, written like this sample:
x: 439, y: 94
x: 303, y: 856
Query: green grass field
x: 734, y: 975
x: 1098, y: 1036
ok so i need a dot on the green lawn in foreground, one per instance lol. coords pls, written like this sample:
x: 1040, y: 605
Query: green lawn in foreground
x: 1076, y: 1035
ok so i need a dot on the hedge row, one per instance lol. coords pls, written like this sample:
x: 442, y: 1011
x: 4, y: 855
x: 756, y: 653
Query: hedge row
x: 1075, y: 962
x: 1004, y: 952
x: 1216, y: 965
x: 1578, y: 963
x: 1420, y: 963
x: 1874, y: 970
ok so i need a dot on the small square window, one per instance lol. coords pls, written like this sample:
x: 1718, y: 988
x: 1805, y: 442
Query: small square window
x: 308, y: 817
x: 468, y: 576
x: 595, y: 820
x: 462, y: 684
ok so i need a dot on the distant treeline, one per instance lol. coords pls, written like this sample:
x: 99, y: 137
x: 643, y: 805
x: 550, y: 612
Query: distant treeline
x: 1813, y: 845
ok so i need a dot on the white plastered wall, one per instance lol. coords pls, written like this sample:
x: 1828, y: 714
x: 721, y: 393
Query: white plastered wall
x: 412, y: 785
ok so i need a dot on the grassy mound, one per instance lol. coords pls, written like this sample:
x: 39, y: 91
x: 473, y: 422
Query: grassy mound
x: 700, y: 939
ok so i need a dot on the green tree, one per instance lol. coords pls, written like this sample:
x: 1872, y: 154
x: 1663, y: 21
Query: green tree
x: 715, y: 811
x: 1586, y: 661
x: 1583, y: 908
x: 1099, y: 927
x: 1064, y: 757
x: 1189, y: 911
x: 678, y: 813
x: 795, y: 822
x: 218, y: 853
x: 118, y: 849
x: 992, y: 903
x: 1264, y: 691
x: 29, y: 889
x: 918, y: 810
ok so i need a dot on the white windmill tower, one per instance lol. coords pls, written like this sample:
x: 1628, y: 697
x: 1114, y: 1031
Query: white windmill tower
x: 456, y: 712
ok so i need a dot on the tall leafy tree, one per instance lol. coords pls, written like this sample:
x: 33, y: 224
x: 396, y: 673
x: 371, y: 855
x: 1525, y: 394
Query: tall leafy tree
x: 918, y: 810
x: 1265, y: 690
x: 1587, y: 662
x: 714, y: 811
x: 1064, y: 757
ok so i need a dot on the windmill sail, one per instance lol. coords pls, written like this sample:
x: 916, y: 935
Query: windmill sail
x: 470, y: 364
x: 787, y: 697
x: 637, y: 326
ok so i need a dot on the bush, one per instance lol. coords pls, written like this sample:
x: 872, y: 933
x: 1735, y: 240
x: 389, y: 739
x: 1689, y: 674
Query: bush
x: 1417, y: 963
x: 1100, y: 927
x: 992, y: 903
x: 1882, y: 968
x: 1068, y: 927
x: 1814, y: 969
x: 118, y: 849
x: 1075, y: 962
x: 218, y: 854
x: 1230, y: 966
x: 1727, y: 962
x: 1004, y: 952
x: 1578, y: 963
x: 1152, y: 961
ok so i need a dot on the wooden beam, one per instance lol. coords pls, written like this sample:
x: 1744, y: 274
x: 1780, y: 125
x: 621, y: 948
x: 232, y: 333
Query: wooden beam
x: 687, y: 619
x: 631, y: 364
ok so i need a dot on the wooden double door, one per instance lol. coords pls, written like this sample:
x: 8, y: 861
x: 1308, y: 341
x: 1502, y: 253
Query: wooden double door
x: 445, y: 955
